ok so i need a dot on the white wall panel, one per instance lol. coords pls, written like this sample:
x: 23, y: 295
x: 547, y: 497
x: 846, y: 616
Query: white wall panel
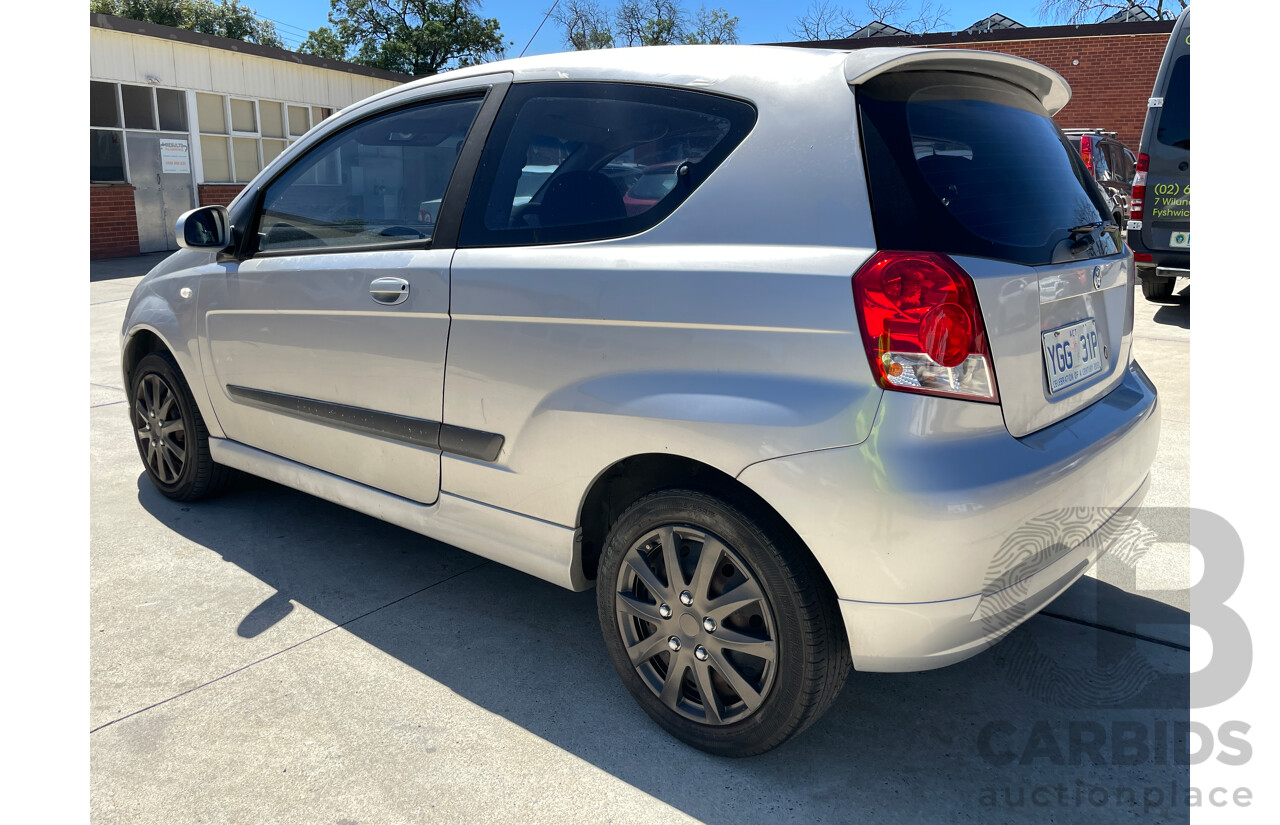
x: 191, y: 64
x: 111, y: 56
x: 259, y: 77
x: 153, y: 61
x: 227, y: 72
x: 129, y: 58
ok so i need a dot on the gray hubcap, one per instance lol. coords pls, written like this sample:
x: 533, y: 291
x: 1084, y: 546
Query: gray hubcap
x: 696, y: 625
x: 161, y: 432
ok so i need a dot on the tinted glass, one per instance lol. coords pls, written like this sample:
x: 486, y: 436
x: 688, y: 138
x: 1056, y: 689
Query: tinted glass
x: 562, y: 156
x: 139, y: 107
x: 102, y: 104
x: 366, y: 185
x: 173, y: 110
x: 968, y: 165
x: 1175, y: 115
x: 654, y: 183
x: 106, y: 159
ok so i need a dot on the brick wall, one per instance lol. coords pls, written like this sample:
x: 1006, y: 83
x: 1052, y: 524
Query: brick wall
x: 1109, y: 86
x: 113, y: 222
x: 223, y: 193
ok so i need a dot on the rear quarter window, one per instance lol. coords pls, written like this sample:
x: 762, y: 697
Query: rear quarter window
x: 968, y: 165
x: 596, y: 144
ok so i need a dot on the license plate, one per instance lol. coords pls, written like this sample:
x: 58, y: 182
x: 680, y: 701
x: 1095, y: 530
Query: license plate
x: 1072, y: 354
x: 1180, y: 240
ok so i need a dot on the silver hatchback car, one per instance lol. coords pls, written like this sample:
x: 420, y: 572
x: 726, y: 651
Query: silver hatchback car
x: 778, y: 444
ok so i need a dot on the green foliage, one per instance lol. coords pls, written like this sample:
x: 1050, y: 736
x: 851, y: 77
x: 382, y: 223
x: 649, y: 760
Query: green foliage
x: 587, y: 25
x: 417, y: 37
x: 713, y: 26
x: 224, y: 18
x: 324, y: 42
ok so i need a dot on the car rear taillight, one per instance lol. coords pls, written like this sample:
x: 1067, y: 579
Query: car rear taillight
x: 1139, y: 193
x: 922, y: 326
x: 1086, y: 152
x: 1143, y: 257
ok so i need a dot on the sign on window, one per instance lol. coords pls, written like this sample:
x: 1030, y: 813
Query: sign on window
x: 174, y: 156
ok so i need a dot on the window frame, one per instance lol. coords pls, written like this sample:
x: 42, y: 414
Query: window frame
x: 123, y: 130
x: 489, y: 92
x: 741, y: 114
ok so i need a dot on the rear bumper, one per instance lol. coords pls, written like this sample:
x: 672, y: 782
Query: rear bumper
x: 1177, y: 259
x: 911, y: 637
x: 941, y: 532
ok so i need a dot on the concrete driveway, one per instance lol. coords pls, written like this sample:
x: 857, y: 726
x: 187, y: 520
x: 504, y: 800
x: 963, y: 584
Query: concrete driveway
x: 269, y: 657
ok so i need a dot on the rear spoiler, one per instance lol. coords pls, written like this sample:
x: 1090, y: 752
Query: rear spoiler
x: 1049, y: 87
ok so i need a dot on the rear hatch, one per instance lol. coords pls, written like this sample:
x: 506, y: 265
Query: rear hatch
x: 964, y: 160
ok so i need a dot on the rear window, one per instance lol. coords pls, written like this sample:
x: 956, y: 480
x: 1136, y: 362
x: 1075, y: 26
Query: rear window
x: 967, y: 165
x: 1175, y: 115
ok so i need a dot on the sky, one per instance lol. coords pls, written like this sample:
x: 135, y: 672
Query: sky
x: 760, y: 21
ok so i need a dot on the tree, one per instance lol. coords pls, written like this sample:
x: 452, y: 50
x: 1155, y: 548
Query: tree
x: 1086, y: 11
x: 324, y: 42
x: 713, y: 26
x: 649, y: 22
x: 417, y: 37
x: 588, y: 25
x: 827, y: 21
x: 225, y: 18
x: 585, y: 23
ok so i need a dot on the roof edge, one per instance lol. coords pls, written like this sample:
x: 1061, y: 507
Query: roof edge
x: 122, y: 24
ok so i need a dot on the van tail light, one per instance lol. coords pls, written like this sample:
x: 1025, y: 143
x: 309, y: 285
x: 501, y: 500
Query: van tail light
x: 1139, y: 188
x: 1086, y: 152
x: 1143, y: 257
x: 922, y: 326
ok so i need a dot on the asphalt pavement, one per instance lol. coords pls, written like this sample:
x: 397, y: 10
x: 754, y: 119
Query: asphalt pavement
x: 269, y: 657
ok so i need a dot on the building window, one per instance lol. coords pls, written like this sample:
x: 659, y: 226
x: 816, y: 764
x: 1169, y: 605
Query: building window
x: 116, y: 107
x: 106, y: 158
x: 239, y: 136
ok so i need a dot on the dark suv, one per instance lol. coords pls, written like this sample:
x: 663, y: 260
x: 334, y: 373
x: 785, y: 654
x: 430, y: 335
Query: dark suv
x: 1112, y: 164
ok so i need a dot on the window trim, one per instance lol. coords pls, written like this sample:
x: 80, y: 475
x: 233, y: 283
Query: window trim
x: 474, y: 234
x: 490, y: 93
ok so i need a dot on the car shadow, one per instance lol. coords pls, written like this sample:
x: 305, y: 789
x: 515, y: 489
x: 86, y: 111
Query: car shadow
x: 969, y: 743
x: 1176, y: 312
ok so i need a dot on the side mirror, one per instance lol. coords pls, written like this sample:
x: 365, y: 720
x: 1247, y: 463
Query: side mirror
x: 207, y: 228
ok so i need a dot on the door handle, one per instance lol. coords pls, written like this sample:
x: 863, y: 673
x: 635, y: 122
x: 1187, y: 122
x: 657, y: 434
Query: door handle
x: 389, y: 290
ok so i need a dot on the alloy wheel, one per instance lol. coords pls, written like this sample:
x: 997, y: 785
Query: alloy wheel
x: 696, y: 624
x: 160, y: 428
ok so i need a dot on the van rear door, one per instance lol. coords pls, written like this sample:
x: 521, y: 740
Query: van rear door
x: 1165, y: 224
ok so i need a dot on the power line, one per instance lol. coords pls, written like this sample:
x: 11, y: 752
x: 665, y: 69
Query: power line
x: 540, y: 25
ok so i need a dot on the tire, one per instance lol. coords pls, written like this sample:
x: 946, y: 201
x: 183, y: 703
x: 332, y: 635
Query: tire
x: 1157, y: 289
x: 757, y: 626
x: 170, y: 433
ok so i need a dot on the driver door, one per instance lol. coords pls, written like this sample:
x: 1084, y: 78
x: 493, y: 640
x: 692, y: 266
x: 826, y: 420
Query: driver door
x: 326, y: 344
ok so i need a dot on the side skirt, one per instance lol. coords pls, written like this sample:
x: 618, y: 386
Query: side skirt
x: 527, y: 544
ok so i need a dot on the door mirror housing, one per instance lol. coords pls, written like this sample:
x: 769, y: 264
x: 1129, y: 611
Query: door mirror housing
x: 207, y: 228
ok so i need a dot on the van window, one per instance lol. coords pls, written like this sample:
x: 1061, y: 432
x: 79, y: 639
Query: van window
x: 1175, y: 116
x: 970, y: 165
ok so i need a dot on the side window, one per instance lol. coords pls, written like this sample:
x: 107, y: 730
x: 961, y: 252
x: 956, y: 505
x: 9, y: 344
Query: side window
x: 572, y: 161
x: 378, y: 182
x: 1101, y: 161
x: 1175, y: 116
